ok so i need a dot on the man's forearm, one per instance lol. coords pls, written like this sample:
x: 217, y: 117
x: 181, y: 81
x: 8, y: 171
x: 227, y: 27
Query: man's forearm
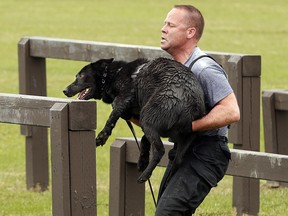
x: 224, y: 113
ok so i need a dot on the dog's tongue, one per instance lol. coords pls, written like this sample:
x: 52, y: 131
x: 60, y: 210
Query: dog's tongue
x: 81, y: 95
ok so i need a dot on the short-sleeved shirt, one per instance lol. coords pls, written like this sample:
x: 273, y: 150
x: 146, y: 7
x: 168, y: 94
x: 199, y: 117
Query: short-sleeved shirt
x: 214, y: 82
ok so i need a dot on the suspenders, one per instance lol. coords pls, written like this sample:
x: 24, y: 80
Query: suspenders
x: 208, y: 56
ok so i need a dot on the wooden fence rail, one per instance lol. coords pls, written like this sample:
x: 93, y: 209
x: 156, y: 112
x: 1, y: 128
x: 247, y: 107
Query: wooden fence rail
x: 127, y: 197
x: 244, y: 76
x: 73, y: 156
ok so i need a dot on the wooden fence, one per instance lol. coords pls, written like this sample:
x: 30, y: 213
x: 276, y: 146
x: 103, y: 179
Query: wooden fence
x: 275, y: 123
x: 244, y: 76
x: 127, y: 197
x: 73, y: 156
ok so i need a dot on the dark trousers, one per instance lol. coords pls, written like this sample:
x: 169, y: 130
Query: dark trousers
x: 203, y: 167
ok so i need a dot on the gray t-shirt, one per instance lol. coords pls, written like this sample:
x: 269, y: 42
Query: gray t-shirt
x: 214, y: 82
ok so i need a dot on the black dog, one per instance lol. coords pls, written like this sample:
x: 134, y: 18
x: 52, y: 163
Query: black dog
x: 162, y: 93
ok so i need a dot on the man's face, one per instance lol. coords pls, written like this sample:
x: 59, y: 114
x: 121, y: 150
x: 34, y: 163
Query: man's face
x: 174, y: 31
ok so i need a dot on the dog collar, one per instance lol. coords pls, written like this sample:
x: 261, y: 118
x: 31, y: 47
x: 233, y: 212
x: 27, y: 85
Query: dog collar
x: 103, y: 81
x: 104, y: 75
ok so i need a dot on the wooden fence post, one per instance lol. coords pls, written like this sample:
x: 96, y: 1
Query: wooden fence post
x: 246, y: 195
x: 126, y: 196
x: 61, y: 204
x: 244, y: 73
x: 275, y: 122
x: 82, y: 158
x: 117, y: 178
x: 73, y: 158
x: 32, y: 81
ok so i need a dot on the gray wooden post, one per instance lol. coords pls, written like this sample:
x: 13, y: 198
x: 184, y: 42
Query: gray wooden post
x: 82, y: 149
x: 60, y: 161
x: 246, y: 195
x: 32, y: 81
x: 126, y: 196
x: 244, y: 76
x: 275, y: 123
x: 73, y: 158
x: 117, y: 178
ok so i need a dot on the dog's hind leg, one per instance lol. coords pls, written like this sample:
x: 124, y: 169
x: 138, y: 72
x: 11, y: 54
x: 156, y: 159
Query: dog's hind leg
x: 158, y: 152
x: 144, y: 154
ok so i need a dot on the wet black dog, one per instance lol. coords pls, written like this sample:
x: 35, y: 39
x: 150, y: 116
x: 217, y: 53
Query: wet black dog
x: 163, y: 93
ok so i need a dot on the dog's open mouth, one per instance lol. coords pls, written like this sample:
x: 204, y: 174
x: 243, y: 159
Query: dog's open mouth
x: 83, y: 94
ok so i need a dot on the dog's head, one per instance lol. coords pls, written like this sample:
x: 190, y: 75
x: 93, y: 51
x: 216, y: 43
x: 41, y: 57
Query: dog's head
x: 90, y: 81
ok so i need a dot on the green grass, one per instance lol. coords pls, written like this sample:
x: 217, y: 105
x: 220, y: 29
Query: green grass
x: 254, y: 27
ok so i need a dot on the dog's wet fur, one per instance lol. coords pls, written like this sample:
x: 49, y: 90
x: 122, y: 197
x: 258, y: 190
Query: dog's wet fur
x: 164, y: 94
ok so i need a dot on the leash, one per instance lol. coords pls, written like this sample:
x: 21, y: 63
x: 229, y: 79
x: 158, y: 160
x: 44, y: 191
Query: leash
x: 134, y: 135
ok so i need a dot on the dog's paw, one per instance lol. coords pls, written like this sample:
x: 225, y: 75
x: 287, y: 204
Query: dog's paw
x: 142, y: 162
x: 144, y: 177
x: 101, y: 138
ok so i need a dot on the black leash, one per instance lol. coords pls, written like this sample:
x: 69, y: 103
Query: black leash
x: 134, y: 135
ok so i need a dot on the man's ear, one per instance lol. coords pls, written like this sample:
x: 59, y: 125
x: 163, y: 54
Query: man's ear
x: 191, y: 32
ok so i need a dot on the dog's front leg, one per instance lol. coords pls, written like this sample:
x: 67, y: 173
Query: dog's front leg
x: 119, y: 107
x: 107, y: 130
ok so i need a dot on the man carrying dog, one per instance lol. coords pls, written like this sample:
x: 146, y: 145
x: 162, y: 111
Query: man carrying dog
x: 207, y: 159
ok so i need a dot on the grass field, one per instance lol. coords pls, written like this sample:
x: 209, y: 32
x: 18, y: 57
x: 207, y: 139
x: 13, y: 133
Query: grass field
x: 253, y: 27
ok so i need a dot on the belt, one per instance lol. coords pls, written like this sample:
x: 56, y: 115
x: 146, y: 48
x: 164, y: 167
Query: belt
x: 204, y: 138
x: 212, y: 138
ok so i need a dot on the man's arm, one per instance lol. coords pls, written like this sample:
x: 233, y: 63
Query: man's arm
x: 225, y: 112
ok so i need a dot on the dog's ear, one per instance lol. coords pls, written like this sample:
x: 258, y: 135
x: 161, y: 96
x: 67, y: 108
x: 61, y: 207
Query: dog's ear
x: 102, y: 63
x: 106, y: 63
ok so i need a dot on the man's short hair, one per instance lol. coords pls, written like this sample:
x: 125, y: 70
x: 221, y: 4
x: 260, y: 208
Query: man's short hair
x: 195, y: 18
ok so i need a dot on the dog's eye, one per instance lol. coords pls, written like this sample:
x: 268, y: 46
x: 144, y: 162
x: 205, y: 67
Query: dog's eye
x: 80, y: 75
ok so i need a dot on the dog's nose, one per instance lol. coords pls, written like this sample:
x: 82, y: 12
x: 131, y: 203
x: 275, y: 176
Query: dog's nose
x: 65, y: 91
